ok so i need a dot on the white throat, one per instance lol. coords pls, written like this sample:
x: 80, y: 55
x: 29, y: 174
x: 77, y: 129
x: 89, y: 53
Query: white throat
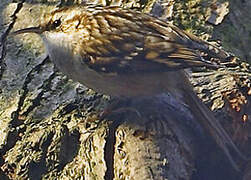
x: 59, y: 48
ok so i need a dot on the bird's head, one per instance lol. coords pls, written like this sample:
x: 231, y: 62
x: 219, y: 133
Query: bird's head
x: 65, y: 28
x: 63, y: 22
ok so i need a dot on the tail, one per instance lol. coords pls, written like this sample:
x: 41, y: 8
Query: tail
x: 203, y: 114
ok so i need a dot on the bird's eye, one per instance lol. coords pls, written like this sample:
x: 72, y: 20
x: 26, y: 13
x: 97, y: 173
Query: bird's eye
x: 56, y: 23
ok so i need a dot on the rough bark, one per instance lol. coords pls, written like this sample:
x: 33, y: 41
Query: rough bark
x: 50, y: 128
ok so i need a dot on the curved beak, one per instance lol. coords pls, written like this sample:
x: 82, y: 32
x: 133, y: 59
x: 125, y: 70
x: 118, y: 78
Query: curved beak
x: 37, y: 30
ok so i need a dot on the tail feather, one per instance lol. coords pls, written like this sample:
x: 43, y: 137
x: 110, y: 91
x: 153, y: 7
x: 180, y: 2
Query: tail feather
x: 203, y: 114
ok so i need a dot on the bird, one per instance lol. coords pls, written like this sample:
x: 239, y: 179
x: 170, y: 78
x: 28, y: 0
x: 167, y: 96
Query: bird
x: 126, y: 53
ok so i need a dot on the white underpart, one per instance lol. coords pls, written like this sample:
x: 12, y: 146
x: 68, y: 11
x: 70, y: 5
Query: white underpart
x: 59, y: 51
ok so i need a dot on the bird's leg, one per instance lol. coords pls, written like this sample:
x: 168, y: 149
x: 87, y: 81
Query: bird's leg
x: 118, y: 105
x: 66, y: 2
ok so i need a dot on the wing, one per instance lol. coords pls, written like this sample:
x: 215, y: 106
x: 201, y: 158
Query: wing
x: 125, y: 41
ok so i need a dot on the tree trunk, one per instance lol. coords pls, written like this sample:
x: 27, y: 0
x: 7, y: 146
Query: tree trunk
x: 51, y: 126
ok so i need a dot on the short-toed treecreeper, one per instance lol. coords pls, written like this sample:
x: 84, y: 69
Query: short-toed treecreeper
x: 122, y: 52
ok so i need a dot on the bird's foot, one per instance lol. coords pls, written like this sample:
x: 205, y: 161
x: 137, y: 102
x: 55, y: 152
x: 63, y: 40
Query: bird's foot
x: 118, y: 106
